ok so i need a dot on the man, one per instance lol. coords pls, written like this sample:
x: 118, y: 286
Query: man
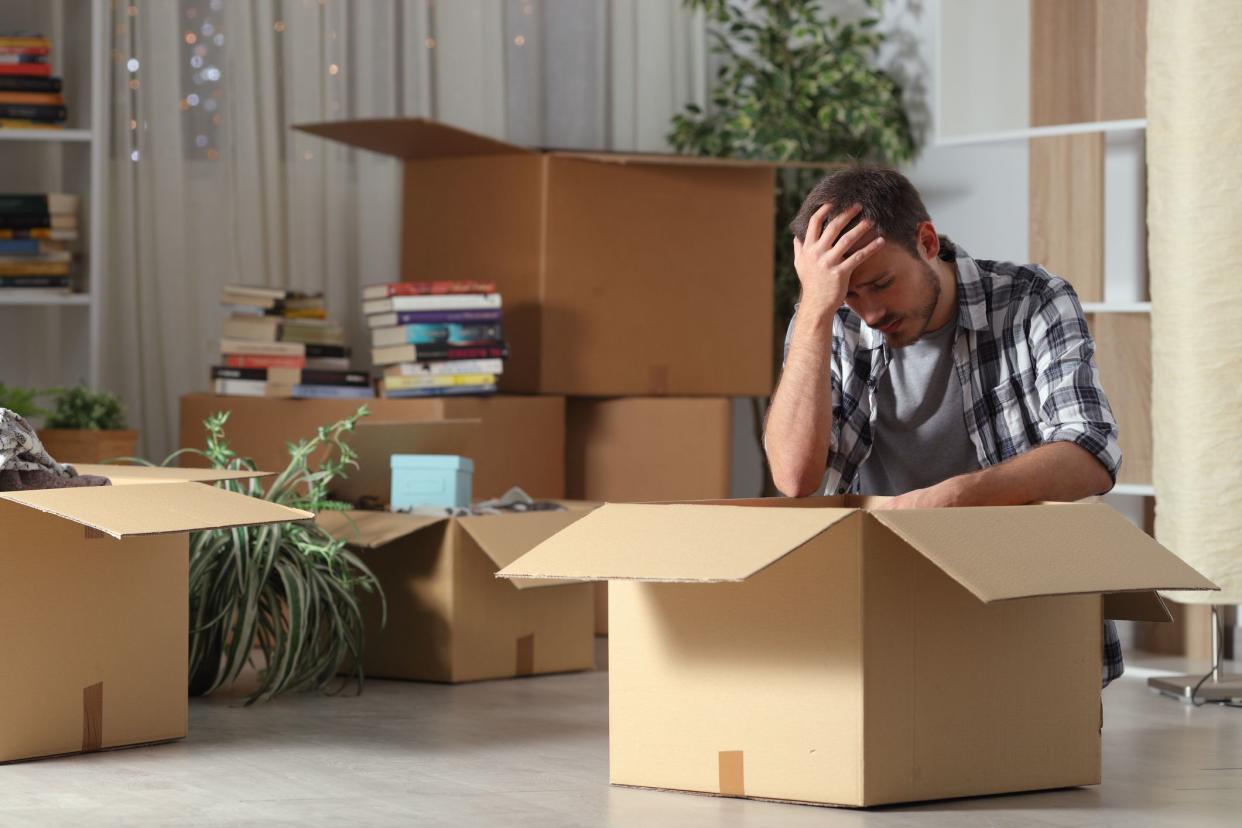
x: 913, y: 370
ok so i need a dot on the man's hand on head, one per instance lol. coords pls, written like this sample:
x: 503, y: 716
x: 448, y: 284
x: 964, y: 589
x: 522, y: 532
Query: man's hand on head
x: 827, y: 258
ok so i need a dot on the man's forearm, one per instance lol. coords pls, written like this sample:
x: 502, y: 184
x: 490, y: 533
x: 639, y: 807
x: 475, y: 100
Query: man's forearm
x: 799, y: 421
x: 1055, y: 471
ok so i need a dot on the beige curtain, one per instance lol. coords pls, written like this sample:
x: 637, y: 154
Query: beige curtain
x: 1194, y: 129
x: 210, y: 185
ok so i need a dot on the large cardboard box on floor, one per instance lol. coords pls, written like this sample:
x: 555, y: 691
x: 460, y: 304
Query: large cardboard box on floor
x: 521, y: 441
x: 449, y: 618
x: 822, y: 651
x: 622, y: 274
x: 93, y: 606
x: 627, y: 449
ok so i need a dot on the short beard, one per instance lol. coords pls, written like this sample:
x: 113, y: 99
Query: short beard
x: 924, y: 313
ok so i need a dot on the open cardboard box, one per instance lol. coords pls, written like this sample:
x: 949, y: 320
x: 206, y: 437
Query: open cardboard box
x: 449, y: 618
x: 820, y: 651
x: 623, y: 274
x: 94, y: 605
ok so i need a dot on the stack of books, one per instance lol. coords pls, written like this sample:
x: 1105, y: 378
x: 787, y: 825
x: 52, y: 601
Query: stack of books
x: 435, y: 338
x: 30, y: 98
x: 36, y: 231
x: 280, y: 343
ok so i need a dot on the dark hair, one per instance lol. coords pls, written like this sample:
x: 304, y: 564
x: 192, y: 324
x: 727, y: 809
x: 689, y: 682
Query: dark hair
x: 887, y: 197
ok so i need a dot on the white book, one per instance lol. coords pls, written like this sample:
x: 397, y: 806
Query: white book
x: 455, y: 366
x: 445, y: 301
x: 259, y: 347
x: 251, y: 388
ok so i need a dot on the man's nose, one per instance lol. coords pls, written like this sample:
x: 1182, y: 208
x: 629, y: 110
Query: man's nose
x: 871, y: 314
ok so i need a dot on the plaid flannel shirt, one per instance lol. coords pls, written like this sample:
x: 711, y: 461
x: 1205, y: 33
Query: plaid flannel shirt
x: 1025, y: 361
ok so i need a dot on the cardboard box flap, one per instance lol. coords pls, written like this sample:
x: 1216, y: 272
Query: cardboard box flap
x: 1143, y: 605
x: 674, y: 160
x: 376, y: 442
x: 673, y: 542
x: 411, y: 138
x: 505, y: 538
x: 126, y: 475
x: 371, y: 530
x: 155, y: 509
x: 1004, y: 552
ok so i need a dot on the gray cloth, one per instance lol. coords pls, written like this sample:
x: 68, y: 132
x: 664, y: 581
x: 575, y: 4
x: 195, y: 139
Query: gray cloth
x: 24, y: 464
x: 514, y: 500
x: 919, y: 425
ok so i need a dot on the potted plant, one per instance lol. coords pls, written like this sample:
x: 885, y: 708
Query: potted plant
x: 87, y: 426
x: 21, y: 401
x: 283, y: 599
x: 794, y: 87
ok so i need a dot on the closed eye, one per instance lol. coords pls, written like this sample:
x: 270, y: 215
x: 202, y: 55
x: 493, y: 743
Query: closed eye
x: 882, y: 285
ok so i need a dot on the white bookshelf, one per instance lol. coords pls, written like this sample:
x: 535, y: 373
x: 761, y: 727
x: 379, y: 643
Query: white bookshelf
x: 70, y: 160
x: 985, y: 94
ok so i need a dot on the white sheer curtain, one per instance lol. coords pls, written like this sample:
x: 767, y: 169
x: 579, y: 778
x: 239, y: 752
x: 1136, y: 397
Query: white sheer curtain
x: 211, y: 186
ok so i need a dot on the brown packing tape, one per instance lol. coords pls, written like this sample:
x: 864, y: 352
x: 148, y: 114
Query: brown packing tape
x: 92, y: 717
x: 525, y: 655
x: 732, y: 778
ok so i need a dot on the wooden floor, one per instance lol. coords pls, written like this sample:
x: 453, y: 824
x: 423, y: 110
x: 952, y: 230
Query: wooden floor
x: 533, y: 752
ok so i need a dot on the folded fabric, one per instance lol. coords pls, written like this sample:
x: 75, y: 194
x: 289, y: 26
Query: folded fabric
x: 514, y: 500
x: 25, y: 464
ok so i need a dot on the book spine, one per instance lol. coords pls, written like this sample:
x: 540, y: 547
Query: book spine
x: 452, y: 333
x: 332, y: 392
x: 356, y: 379
x: 25, y: 40
x: 248, y: 388
x: 255, y: 361
x: 10, y: 56
x: 464, y: 366
x: 465, y: 301
x: 19, y: 247
x: 446, y: 391
x: 315, y: 350
x: 13, y: 83
x: 227, y: 373
x: 30, y: 204
x: 25, y: 221
x: 454, y: 286
x: 35, y: 269
x: 40, y: 70
x: 437, y: 381
x: 34, y: 281
x: 33, y: 112
x: 23, y: 51
x: 435, y: 318
x: 45, y: 233
x: 259, y: 347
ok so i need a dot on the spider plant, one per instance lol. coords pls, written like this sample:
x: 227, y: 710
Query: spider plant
x: 289, y: 591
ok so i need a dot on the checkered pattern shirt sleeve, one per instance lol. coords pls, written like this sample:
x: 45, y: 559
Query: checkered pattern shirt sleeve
x: 1073, y: 407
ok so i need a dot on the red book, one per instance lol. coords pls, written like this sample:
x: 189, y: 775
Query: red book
x: 263, y: 361
x: 23, y: 50
x: 427, y: 288
x: 41, y: 70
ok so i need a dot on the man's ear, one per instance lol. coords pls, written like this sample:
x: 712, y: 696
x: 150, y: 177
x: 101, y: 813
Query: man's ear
x: 929, y: 240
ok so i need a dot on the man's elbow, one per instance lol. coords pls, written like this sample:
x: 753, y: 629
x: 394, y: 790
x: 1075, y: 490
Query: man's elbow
x: 793, y: 484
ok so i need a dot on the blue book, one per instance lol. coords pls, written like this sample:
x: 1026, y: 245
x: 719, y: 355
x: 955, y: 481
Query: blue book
x: 452, y: 334
x: 441, y: 391
x: 333, y: 392
x: 19, y: 247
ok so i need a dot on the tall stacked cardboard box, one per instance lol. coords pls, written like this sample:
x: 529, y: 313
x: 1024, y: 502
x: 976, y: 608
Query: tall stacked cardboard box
x: 637, y: 285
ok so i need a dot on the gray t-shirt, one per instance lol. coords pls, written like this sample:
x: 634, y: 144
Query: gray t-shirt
x: 920, y: 423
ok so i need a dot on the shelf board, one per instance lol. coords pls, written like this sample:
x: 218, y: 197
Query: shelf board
x: 71, y: 135
x: 1116, y: 307
x: 1132, y: 125
x: 34, y: 296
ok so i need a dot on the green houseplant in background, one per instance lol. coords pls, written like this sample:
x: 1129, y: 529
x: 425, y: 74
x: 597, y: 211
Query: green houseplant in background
x: 288, y: 593
x: 22, y: 401
x: 793, y: 86
x: 86, y: 426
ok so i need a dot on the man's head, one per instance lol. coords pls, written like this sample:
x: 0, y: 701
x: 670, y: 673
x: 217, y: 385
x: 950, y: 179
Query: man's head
x: 898, y: 288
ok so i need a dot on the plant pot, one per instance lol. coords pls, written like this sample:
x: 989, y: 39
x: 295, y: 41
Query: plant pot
x: 74, y: 445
